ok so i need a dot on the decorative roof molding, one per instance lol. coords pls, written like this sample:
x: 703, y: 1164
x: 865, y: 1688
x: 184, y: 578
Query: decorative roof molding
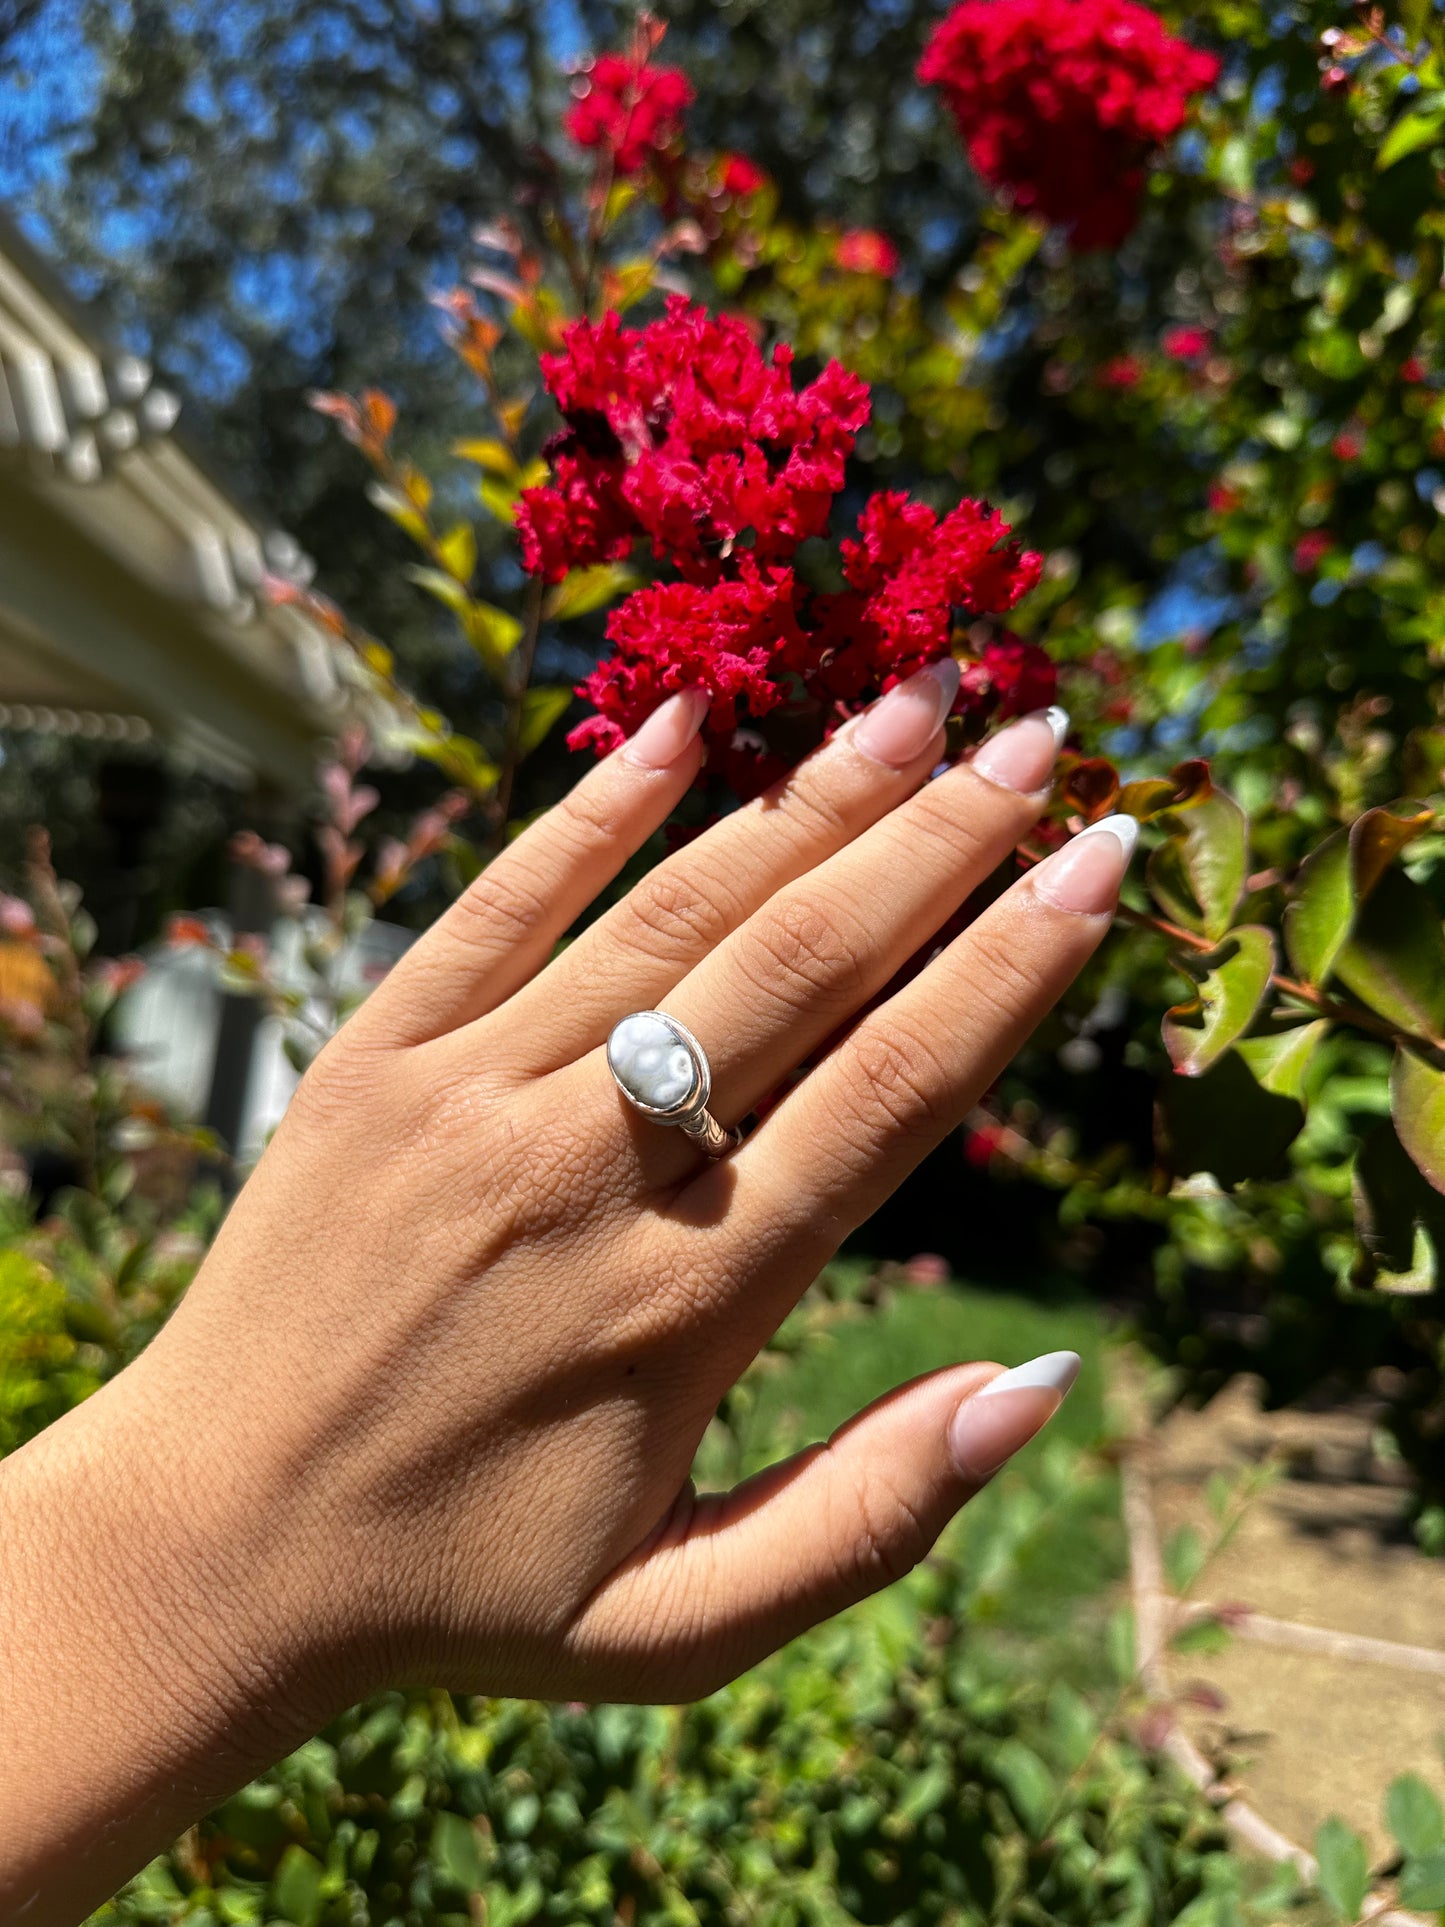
x: 89, y: 434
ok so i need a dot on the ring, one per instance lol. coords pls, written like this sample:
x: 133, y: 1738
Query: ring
x: 662, y: 1071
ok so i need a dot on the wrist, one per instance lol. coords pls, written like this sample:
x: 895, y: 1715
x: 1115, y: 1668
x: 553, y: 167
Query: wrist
x: 150, y: 1666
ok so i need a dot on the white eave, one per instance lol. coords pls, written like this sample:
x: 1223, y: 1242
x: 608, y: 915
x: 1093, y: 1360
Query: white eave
x: 129, y: 580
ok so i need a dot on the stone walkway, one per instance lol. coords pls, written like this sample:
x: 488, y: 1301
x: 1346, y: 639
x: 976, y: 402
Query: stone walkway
x: 1334, y: 1681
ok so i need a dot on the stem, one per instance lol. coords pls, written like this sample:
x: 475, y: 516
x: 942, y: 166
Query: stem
x: 1355, y: 1016
x: 516, y: 702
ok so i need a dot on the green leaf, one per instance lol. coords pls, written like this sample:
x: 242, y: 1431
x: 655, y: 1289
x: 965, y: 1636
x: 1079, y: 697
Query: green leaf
x: 1203, y: 1635
x: 542, y: 705
x: 1210, y: 848
x: 456, y: 1852
x: 296, y: 1890
x: 1413, y: 1815
x: 1225, y: 1123
x: 1417, y: 1104
x: 458, y: 551
x: 1317, y: 921
x: 1421, y: 126
x: 1422, y: 1884
x: 1027, y: 1782
x: 1280, y: 1060
x: 1235, y: 980
x: 584, y: 590
x: 1344, y: 1867
x: 1394, y: 1205
x: 1394, y: 960
x: 1183, y: 1558
x: 446, y: 590
x: 1415, y: 18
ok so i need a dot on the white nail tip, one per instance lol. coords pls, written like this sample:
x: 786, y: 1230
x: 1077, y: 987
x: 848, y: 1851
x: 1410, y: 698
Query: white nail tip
x: 1123, y: 826
x: 1053, y: 1372
x: 1057, y: 720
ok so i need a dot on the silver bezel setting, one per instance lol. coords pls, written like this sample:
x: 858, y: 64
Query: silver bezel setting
x: 695, y: 1103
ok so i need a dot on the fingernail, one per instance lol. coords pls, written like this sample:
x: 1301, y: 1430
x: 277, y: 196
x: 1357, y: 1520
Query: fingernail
x: 1085, y: 875
x: 990, y: 1427
x: 668, y: 730
x: 1022, y: 756
x: 901, y: 725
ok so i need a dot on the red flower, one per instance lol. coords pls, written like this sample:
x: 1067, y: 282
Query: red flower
x: 633, y: 109
x: 680, y: 635
x: 1062, y: 102
x: 741, y: 176
x: 1223, y: 500
x: 1347, y: 446
x: 1311, y: 550
x: 682, y: 435
x: 1011, y: 678
x: 1412, y: 370
x: 1122, y: 372
x: 863, y: 250
x: 1186, y: 344
x: 915, y: 570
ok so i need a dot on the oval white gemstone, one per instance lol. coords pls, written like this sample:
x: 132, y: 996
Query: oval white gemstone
x: 651, y: 1062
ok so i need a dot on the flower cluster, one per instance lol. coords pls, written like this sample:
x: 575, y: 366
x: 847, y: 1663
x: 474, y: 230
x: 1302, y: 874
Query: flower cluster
x: 1061, y: 102
x: 682, y: 435
x: 628, y: 108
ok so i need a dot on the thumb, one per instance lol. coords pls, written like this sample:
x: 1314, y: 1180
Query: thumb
x: 732, y: 1577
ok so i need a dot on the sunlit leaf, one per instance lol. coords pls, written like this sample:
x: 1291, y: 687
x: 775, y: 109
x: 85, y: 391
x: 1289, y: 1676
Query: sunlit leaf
x: 1378, y: 837
x: 584, y: 590
x: 1280, y: 1060
x: 1421, y: 125
x: 1183, y: 1558
x: 445, y: 588
x: 1317, y: 920
x: 542, y: 705
x: 490, y: 454
x: 1200, y: 882
x: 458, y: 551
x: 1417, y: 1104
x: 499, y: 499
x: 1233, y: 981
x: 494, y: 633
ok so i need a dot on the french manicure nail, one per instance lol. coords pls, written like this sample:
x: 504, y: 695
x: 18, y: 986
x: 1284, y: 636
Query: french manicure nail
x: 660, y: 740
x: 901, y: 725
x: 1085, y: 875
x: 990, y: 1427
x: 1022, y: 756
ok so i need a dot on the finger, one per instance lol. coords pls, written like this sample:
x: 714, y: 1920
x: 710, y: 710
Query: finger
x: 740, y: 1574
x: 819, y: 949
x: 912, y: 1069
x: 503, y: 927
x: 631, y: 958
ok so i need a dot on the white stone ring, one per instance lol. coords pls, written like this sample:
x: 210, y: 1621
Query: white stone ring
x: 662, y: 1071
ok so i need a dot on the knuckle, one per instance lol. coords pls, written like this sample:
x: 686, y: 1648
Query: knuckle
x: 899, y: 1077
x: 956, y: 823
x: 588, y: 818
x: 999, y: 979
x: 501, y: 907
x: 808, y: 801
x: 888, y: 1537
x: 671, y: 916
x: 801, y: 949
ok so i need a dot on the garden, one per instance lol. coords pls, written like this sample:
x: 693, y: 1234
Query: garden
x: 781, y: 353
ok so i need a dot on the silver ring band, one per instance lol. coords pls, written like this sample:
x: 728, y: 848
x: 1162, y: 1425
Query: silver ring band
x: 662, y: 1071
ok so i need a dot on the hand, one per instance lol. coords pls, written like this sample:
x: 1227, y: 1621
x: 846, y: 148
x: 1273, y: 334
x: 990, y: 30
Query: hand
x: 428, y: 1411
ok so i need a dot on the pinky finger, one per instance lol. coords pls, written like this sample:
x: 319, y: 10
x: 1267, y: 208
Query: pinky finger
x: 502, y: 929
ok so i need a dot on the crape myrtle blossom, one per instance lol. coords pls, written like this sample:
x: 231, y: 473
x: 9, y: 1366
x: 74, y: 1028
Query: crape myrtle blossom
x: 1062, y: 102
x: 628, y: 107
x: 683, y: 436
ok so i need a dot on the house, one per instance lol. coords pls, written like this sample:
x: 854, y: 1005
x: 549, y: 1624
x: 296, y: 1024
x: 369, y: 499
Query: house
x: 129, y: 574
